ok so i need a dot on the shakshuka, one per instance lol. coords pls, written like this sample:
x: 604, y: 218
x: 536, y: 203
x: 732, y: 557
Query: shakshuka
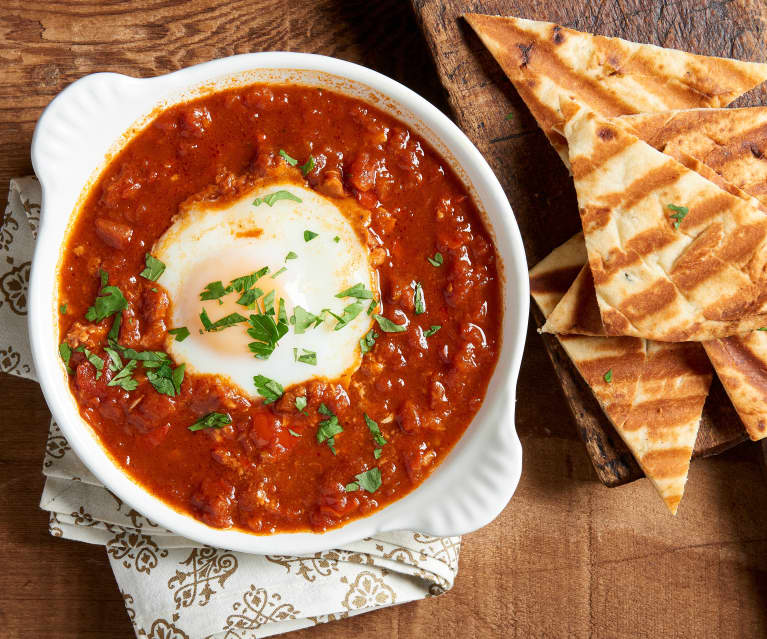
x: 279, y: 308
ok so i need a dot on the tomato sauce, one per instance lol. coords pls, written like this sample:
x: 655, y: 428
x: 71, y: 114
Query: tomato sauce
x: 422, y: 391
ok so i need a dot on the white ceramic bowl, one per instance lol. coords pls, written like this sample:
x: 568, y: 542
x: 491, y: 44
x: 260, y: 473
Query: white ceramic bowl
x: 92, y: 118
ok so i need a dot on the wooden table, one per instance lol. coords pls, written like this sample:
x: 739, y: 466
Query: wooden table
x: 567, y: 557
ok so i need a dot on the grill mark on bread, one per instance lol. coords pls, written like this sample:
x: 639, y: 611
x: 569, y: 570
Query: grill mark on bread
x: 658, y: 296
x: 556, y: 281
x: 667, y: 463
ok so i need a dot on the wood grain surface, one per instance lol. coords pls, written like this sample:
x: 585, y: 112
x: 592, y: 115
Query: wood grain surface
x: 539, y: 187
x: 567, y: 558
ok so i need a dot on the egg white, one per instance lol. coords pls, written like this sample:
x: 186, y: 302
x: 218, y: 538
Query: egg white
x: 209, y: 242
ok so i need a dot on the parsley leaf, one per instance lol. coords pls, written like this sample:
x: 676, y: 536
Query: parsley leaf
x: 154, y: 268
x: 387, y: 326
x: 305, y: 168
x: 97, y: 362
x: 358, y: 290
x: 115, y: 363
x: 211, y: 420
x: 181, y: 333
x: 65, y: 350
x: 306, y: 357
x: 268, y: 303
x: 221, y: 324
x: 309, y: 236
x: 294, y: 433
x: 419, y: 300
x: 109, y: 302
x: 114, y: 332
x: 165, y: 379
x: 370, y: 480
x: 104, y: 277
x: 432, y: 330
x: 291, y: 256
x: 249, y: 297
x: 680, y: 212
x: 368, y: 341
x: 377, y: 453
x: 328, y: 428
x: 266, y: 332
x: 373, y: 306
x: 509, y: 116
x: 270, y: 199
x: 608, y: 377
x: 288, y: 159
x: 302, y: 319
x: 270, y: 390
x: 375, y: 431
x: 214, y: 291
x: 150, y: 359
x: 350, y: 312
x: 336, y: 239
x: 63, y: 309
x: 124, y: 378
x: 350, y: 488
x: 300, y: 403
x: 280, y: 272
x: 242, y: 284
x: 436, y: 261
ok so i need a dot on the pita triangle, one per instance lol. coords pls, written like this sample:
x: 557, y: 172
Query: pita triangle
x: 674, y: 257
x: 653, y: 393
x: 611, y: 76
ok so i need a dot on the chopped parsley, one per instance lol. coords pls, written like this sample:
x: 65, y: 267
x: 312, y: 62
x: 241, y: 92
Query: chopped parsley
x: 220, y: 324
x: 328, y: 428
x: 211, y: 420
x: 764, y: 328
x: 109, y: 301
x: 436, y: 261
x: 375, y: 431
x: 387, y: 326
x: 154, y: 268
x: 608, y: 377
x: 165, y: 379
x: 115, y: 363
x: 214, y: 291
x: 370, y: 480
x: 350, y: 488
x: 280, y: 272
x: 270, y: 390
x: 94, y: 359
x: 302, y: 319
x: 509, y: 116
x: 114, y: 332
x: 305, y: 168
x: 65, y: 350
x: 309, y: 236
x: 124, y: 378
x: 358, y: 290
x: 432, y: 330
x: 377, y: 453
x: 336, y: 239
x: 270, y: 199
x: 300, y: 403
x: 350, y: 312
x: 294, y: 433
x: 63, y: 309
x: 181, y: 333
x: 373, y: 306
x: 368, y: 341
x: 306, y: 357
x: 680, y: 212
x: 268, y: 303
x: 150, y: 359
x: 249, y: 297
x: 291, y: 256
x: 242, y: 284
x: 419, y: 300
x: 288, y: 159
x: 266, y: 332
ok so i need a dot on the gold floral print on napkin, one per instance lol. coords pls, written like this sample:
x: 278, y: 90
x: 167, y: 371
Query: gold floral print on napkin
x: 174, y: 588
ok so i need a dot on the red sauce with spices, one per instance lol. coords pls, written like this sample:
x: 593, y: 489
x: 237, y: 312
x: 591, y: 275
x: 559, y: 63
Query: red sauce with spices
x: 422, y: 391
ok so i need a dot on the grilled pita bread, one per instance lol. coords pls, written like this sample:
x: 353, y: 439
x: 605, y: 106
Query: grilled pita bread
x: 611, y: 76
x: 700, y: 277
x: 653, y: 393
x: 731, y: 142
x: 741, y: 364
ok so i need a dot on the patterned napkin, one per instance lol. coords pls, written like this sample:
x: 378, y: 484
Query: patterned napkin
x: 175, y: 588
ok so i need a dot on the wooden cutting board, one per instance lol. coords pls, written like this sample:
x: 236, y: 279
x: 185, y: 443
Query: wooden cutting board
x: 487, y: 107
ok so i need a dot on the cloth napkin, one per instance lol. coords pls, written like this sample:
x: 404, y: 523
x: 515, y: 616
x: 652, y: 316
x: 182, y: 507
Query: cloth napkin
x: 173, y: 587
